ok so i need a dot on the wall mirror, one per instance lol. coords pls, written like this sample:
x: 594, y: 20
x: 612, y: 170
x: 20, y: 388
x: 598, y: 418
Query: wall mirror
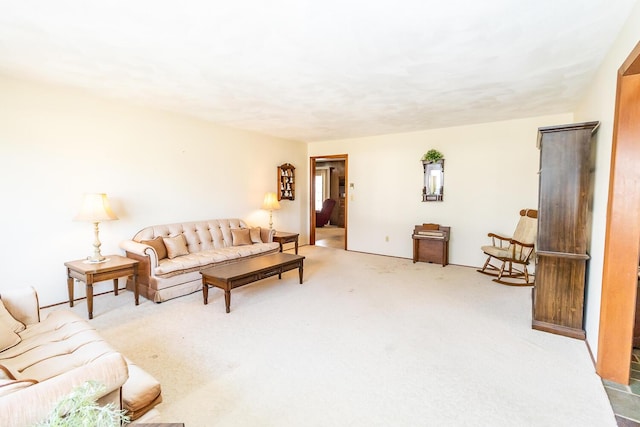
x: 433, y: 188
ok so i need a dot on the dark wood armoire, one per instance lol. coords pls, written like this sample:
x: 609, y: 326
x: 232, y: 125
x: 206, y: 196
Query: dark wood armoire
x: 565, y: 199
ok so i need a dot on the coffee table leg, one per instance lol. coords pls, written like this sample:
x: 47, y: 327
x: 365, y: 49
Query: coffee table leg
x: 205, y: 292
x: 227, y: 299
x: 300, y: 272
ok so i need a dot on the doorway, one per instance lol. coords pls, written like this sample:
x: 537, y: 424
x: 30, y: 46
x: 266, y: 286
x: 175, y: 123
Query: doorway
x: 328, y: 178
x: 622, y: 237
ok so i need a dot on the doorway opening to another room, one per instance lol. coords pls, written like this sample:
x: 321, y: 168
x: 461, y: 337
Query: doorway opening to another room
x: 328, y: 176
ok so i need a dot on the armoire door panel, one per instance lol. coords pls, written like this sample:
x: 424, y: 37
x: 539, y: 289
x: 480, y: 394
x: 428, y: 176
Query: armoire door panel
x: 560, y: 291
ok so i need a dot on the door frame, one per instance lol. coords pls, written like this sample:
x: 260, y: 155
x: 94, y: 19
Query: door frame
x: 312, y: 200
x: 622, y: 238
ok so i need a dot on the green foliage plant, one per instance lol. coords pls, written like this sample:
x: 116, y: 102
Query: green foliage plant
x: 80, y: 409
x: 432, y: 156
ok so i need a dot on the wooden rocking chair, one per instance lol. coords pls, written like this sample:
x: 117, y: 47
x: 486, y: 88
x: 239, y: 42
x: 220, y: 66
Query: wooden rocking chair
x: 512, y: 254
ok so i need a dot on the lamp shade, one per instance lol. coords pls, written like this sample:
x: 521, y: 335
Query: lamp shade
x: 270, y: 202
x: 95, y: 208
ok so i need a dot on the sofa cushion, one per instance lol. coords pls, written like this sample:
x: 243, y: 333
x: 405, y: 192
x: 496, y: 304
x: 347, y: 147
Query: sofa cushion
x: 176, y: 246
x: 10, y: 386
x: 61, y: 342
x: 7, y: 318
x: 158, y: 245
x: 141, y: 392
x: 255, y: 235
x: 195, y: 261
x: 241, y: 236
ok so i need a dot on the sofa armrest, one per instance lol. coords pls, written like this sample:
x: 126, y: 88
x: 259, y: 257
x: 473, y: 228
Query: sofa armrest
x: 141, y: 250
x: 147, y: 259
x: 32, y: 404
x: 267, y: 234
x: 23, y: 304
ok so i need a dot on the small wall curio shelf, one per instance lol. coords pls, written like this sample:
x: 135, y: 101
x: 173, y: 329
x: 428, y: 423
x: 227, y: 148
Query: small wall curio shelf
x: 286, y: 182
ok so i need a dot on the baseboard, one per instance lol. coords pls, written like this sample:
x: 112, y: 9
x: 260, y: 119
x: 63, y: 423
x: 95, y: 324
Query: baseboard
x: 558, y: 329
x: 593, y: 359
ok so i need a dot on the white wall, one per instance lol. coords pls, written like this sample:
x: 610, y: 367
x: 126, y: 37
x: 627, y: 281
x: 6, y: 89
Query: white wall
x: 490, y: 174
x: 156, y: 167
x: 599, y: 104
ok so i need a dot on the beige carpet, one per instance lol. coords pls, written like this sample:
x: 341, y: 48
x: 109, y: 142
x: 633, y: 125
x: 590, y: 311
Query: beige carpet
x: 365, y: 341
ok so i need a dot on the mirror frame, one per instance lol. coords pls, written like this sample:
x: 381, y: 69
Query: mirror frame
x: 433, y: 183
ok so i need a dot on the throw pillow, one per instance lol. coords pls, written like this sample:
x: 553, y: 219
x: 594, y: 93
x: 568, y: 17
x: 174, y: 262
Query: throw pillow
x: 7, y: 318
x: 8, y: 338
x: 241, y: 236
x: 158, y: 245
x: 176, y: 246
x: 255, y: 235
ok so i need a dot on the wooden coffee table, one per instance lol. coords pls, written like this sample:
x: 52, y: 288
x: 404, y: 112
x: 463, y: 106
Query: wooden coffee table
x: 230, y: 276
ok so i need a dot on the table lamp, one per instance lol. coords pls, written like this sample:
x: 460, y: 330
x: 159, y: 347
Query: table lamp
x: 270, y: 204
x: 95, y: 208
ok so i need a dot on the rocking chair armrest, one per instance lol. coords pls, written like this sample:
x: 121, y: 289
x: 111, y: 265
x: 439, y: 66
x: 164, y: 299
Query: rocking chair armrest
x: 493, y: 235
x: 521, y: 252
x: 524, y: 245
x: 502, y: 241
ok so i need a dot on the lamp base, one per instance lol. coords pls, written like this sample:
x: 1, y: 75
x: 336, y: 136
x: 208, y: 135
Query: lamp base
x: 97, y: 256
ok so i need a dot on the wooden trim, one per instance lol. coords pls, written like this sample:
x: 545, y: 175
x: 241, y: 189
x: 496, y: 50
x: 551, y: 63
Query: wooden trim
x: 558, y: 329
x: 531, y: 213
x: 312, y: 203
x: 562, y: 255
x: 593, y: 359
x: 622, y: 238
x: 631, y: 65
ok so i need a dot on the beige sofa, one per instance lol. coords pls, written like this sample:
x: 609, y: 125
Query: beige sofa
x: 41, y: 361
x: 172, y: 255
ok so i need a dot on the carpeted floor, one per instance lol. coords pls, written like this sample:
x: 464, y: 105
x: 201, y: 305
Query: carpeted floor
x: 366, y: 340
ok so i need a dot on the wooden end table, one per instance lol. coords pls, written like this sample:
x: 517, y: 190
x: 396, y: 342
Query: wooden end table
x: 91, y: 272
x: 230, y: 276
x: 283, y: 237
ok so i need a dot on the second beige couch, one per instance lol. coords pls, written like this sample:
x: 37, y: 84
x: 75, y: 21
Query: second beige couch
x: 43, y: 360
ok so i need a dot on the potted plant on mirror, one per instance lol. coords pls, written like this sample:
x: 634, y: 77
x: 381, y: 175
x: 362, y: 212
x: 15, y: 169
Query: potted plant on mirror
x: 432, y: 156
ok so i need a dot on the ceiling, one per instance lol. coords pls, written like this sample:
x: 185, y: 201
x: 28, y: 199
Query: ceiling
x: 319, y: 70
